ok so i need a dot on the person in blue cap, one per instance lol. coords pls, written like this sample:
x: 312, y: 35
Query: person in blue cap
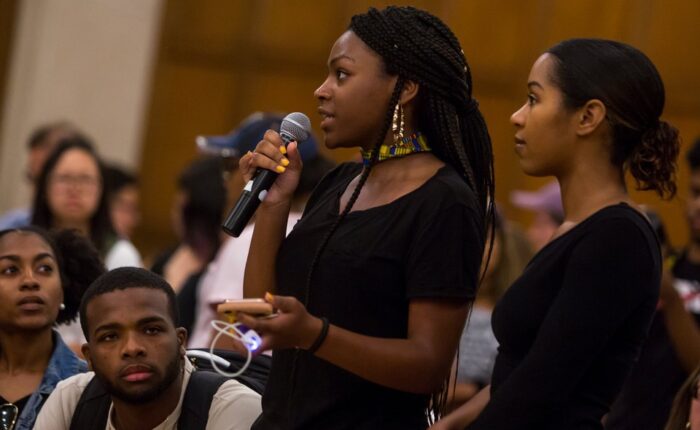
x: 223, y: 278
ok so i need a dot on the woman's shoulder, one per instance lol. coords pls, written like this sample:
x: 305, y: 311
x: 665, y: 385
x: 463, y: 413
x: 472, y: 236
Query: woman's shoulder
x: 620, y: 218
x: 621, y: 227
x: 447, y: 188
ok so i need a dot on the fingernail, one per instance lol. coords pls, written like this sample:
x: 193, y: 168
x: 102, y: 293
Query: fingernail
x: 269, y: 297
x: 280, y: 169
x: 283, y: 149
x: 285, y: 162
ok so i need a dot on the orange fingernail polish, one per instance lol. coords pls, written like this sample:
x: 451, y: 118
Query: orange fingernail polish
x: 269, y: 297
x: 283, y: 149
x: 280, y: 169
x: 285, y: 162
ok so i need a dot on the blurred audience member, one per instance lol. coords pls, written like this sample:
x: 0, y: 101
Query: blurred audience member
x: 122, y: 189
x: 478, y: 346
x: 223, y: 278
x: 70, y: 195
x: 196, y: 216
x: 547, y: 207
x: 685, y: 413
x: 42, y: 279
x: 672, y: 349
x: 41, y: 142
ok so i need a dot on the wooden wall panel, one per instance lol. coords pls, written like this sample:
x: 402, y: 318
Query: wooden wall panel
x: 219, y: 60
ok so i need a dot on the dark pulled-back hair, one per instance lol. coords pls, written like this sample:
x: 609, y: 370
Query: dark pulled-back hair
x: 417, y: 46
x: 125, y: 278
x: 101, y: 229
x: 78, y: 263
x: 628, y: 84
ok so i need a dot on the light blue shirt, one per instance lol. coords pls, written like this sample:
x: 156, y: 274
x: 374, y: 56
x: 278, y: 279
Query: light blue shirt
x: 63, y: 364
x: 15, y: 218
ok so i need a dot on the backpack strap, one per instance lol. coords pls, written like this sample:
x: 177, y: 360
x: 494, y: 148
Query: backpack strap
x: 92, y: 410
x: 199, y: 394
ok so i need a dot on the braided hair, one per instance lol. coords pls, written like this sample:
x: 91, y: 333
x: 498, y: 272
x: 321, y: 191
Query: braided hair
x: 417, y: 46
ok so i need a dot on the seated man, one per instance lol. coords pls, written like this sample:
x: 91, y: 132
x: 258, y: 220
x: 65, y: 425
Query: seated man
x: 143, y: 380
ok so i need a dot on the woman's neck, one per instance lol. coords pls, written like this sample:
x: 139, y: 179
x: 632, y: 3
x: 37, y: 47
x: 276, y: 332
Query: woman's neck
x: 22, y: 351
x: 83, y: 228
x: 410, y: 166
x: 590, y: 187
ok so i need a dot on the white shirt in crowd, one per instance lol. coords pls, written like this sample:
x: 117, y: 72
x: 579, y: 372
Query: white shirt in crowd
x: 223, y: 280
x: 234, y: 406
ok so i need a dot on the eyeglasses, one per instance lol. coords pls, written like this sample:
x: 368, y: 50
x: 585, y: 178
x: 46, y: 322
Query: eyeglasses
x: 78, y: 181
x: 8, y: 416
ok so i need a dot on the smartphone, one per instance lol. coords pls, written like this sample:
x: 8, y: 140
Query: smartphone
x: 255, y: 307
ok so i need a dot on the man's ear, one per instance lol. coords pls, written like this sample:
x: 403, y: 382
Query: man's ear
x: 181, y: 334
x: 86, y: 353
x: 409, y: 92
x: 590, y: 116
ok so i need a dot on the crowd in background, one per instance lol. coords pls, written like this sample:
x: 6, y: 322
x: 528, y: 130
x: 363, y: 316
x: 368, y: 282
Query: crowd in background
x: 94, y: 206
x: 74, y: 245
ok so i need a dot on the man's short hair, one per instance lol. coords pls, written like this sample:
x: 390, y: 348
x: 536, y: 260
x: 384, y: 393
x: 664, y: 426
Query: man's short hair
x: 693, y: 155
x: 124, y: 278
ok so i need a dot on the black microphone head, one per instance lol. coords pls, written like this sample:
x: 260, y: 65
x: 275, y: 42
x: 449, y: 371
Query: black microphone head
x: 297, y: 125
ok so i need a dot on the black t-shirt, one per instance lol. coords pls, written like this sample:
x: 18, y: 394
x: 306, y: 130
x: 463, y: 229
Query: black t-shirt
x: 427, y: 243
x: 572, y: 325
x: 646, y: 398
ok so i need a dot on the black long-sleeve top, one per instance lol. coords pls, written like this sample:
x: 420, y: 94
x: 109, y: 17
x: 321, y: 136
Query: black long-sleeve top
x: 571, y: 327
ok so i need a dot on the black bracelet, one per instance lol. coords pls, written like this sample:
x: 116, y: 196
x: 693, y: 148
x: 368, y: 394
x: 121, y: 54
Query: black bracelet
x: 321, y: 336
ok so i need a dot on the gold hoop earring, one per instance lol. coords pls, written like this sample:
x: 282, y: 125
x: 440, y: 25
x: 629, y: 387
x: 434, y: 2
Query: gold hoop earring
x: 397, y: 124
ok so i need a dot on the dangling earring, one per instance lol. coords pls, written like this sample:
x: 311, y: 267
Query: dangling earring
x: 397, y: 124
x: 62, y: 306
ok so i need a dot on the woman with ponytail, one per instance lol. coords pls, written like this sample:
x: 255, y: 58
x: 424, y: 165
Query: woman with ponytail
x: 571, y: 327
x: 375, y: 282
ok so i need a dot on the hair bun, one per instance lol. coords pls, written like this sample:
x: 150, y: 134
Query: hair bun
x: 653, y: 163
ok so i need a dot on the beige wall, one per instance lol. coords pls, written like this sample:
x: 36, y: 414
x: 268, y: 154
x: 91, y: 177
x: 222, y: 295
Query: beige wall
x: 89, y: 62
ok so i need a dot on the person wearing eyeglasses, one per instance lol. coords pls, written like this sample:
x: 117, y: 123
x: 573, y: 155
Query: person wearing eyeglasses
x: 42, y: 278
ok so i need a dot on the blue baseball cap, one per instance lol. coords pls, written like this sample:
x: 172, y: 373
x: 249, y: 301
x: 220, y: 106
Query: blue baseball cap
x: 246, y: 136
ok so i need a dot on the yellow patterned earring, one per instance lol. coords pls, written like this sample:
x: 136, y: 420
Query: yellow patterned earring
x: 397, y: 125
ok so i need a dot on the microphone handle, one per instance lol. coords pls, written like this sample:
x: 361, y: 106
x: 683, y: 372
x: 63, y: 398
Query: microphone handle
x: 253, y: 193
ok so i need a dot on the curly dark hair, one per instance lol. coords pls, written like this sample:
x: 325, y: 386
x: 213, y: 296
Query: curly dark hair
x: 79, y: 264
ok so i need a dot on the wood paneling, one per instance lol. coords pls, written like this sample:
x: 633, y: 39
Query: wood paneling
x: 220, y: 60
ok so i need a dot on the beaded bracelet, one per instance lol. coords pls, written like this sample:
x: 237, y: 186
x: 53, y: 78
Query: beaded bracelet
x: 321, y: 336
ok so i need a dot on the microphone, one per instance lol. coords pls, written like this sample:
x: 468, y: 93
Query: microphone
x: 295, y: 126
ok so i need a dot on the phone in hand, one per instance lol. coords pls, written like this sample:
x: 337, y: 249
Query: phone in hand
x: 254, y: 307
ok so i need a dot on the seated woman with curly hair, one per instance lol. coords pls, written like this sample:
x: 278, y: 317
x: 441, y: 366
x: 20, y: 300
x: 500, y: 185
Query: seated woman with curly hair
x: 42, y: 278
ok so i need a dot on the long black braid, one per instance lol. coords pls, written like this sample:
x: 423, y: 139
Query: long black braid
x: 418, y: 46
